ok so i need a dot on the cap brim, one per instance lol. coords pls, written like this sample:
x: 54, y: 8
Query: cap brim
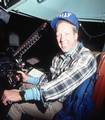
x: 54, y: 22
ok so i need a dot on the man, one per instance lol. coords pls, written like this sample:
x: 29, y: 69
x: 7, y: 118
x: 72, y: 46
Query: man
x: 70, y: 68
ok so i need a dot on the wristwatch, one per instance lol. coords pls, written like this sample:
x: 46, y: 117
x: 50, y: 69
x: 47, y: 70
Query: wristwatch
x: 22, y: 93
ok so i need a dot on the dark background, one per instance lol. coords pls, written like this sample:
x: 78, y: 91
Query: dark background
x: 46, y: 47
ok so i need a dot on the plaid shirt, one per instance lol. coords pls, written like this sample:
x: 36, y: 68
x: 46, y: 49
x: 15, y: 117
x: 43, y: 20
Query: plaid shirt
x: 68, y: 71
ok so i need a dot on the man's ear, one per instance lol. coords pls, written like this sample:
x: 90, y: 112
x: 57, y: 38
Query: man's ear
x: 76, y: 36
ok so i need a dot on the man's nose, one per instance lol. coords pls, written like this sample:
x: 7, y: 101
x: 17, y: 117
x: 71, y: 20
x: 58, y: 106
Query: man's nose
x: 62, y: 37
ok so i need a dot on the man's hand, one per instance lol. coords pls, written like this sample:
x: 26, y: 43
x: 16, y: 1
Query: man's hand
x: 21, y: 76
x: 10, y: 96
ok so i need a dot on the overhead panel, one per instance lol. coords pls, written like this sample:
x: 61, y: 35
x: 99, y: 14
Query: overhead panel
x: 86, y: 10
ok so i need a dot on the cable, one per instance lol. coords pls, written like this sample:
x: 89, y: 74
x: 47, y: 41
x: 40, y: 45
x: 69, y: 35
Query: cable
x: 89, y: 35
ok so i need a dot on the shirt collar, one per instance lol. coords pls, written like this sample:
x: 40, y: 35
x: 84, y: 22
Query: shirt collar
x: 72, y: 53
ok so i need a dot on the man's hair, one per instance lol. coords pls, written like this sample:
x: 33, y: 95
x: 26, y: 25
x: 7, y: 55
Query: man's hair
x: 75, y: 29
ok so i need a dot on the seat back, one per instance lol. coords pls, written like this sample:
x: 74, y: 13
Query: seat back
x: 99, y: 90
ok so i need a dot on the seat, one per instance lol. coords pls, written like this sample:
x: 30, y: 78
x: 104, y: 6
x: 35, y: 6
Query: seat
x: 81, y: 104
x: 99, y: 90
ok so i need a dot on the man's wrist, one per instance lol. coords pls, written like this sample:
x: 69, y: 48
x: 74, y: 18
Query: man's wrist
x: 22, y: 94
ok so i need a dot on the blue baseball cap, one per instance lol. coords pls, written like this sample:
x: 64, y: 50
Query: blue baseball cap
x: 67, y: 16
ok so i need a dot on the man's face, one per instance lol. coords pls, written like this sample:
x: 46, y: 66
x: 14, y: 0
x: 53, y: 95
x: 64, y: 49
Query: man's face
x: 65, y: 36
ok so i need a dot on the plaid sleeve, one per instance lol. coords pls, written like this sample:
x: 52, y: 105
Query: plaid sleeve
x: 69, y: 80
